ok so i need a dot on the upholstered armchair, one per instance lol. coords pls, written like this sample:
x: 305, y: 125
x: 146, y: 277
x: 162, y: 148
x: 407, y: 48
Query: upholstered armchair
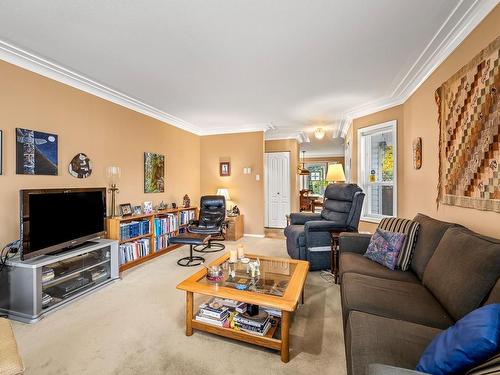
x: 308, y: 234
x: 212, y: 221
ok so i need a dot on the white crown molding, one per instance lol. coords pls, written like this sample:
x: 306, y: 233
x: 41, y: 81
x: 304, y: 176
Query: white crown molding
x: 464, y: 18
x: 248, y: 128
x: 31, y: 62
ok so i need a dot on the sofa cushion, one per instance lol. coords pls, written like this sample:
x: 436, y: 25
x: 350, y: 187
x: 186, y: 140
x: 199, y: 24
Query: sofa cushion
x: 295, y: 241
x: 463, y: 270
x: 430, y: 233
x: 410, y: 229
x: 374, y: 339
x: 494, y: 296
x: 384, y: 248
x: 357, y: 263
x: 401, y: 300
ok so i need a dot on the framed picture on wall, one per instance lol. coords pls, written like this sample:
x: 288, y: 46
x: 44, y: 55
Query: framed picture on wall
x: 225, y: 168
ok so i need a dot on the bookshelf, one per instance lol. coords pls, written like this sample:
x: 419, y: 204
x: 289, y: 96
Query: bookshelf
x: 144, y: 237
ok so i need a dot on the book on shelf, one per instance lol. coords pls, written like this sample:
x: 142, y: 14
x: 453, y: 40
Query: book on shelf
x: 253, y: 331
x: 166, y: 224
x: 130, y: 251
x: 217, y: 313
x: 246, y: 322
x: 186, y: 216
x: 212, y: 321
x: 134, y: 229
x: 162, y: 241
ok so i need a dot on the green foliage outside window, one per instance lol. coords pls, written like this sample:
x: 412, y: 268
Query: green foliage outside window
x: 388, y: 164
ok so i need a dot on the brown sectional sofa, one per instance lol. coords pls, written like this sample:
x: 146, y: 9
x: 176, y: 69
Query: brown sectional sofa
x: 391, y: 316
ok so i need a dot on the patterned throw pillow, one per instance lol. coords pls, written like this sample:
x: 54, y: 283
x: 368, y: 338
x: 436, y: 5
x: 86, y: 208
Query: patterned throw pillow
x: 384, y: 248
x: 410, y: 229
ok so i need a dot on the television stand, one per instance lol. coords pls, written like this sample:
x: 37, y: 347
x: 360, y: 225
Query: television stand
x: 35, y: 287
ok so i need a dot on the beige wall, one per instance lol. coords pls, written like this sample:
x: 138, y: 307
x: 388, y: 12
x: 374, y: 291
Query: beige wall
x: 292, y: 146
x: 417, y: 188
x: 242, y: 150
x: 109, y: 134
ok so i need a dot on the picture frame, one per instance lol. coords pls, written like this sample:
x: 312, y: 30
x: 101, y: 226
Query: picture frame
x: 225, y: 168
x: 147, y: 207
x: 137, y: 210
x: 125, y: 209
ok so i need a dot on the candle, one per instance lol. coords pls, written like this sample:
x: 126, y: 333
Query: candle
x: 241, y: 251
x: 233, y: 255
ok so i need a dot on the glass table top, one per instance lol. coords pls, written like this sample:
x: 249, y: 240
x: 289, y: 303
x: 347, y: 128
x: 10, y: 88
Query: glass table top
x: 273, y: 279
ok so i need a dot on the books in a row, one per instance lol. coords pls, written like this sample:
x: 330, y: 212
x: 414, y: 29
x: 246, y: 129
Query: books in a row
x: 232, y: 314
x: 186, y: 216
x: 133, y: 250
x: 166, y: 224
x: 161, y: 241
x: 133, y: 229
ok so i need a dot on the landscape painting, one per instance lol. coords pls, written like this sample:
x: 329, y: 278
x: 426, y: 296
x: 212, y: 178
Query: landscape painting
x: 36, y: 152
x: 154, y: 173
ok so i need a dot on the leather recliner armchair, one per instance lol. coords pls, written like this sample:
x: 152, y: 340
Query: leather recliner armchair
x: 308, y: 234
x: 212, y: 220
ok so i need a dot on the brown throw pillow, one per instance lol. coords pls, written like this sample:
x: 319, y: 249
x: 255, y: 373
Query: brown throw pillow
x: 463, y: 270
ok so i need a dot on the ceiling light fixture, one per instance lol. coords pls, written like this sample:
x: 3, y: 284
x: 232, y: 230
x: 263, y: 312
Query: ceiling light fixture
x: 303, y: 171
x: 319, y: 133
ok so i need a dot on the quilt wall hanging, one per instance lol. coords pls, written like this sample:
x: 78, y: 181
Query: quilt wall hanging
x: 469, y: 134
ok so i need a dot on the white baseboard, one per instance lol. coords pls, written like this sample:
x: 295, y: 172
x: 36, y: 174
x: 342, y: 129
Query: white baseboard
x: 253, y: 235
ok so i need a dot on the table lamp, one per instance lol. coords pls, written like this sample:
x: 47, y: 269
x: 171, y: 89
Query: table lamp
x: 335, y: 173
x: 113, y: 174
x: 225, y: 193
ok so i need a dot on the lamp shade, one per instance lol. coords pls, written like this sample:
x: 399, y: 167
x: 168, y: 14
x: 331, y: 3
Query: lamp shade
x: 224, y: 193
x: 113, y: 174
x: 335, y: 173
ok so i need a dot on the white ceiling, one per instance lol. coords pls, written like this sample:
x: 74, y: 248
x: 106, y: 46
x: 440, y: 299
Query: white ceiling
x: 237, y: 65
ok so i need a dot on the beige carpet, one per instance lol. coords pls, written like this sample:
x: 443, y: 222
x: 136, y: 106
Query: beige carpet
x: 136, y: 326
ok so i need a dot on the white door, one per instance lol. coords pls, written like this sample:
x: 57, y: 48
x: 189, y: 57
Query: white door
x: 278, y: 188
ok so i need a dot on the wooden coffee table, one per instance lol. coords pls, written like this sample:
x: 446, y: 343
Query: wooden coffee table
x: 288, y: 277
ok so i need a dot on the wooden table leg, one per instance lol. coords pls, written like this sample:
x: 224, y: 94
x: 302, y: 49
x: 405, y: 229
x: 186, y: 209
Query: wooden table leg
x: 189, y: 313
x: 285, y: 328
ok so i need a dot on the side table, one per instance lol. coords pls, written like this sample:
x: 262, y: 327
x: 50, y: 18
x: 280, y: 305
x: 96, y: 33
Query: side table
x: 235, y: 225
x: 334, y: 236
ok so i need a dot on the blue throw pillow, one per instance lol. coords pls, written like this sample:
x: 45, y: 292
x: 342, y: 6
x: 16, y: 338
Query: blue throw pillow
x: 472, y: 340
x: 384, y: 247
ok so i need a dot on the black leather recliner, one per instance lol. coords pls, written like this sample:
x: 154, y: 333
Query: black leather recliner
x: 308, y: 234
x: 212, y: 220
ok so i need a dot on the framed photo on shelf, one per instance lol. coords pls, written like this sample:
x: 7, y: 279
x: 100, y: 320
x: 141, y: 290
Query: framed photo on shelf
x: 147, y: 207
x: 225, y: 168
x: 125, y: 209
x: 137, y: 210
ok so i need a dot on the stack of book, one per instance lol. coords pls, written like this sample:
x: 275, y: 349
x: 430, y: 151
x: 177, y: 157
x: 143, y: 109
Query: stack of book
x: 166, y: 224
x: 213, y: 313
x: 161, y: 241
x: 133, y: 229
x: 257, y: 325
x: 186, y: 216
x: 133, y: 250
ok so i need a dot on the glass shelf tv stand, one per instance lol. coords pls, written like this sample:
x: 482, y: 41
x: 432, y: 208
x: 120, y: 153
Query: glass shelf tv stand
x: 39, y: 285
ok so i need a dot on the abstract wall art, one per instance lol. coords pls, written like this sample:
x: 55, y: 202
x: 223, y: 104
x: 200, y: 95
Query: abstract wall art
x: 36, y: 152
x: 417, y: 153
x: 154, y: 173
x: 469, y: 133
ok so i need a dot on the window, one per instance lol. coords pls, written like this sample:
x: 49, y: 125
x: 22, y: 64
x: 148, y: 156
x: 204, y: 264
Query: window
x: 316, y: 182
x: 378, y: 170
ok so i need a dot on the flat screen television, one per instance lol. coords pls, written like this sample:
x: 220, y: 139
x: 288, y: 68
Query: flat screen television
x: 53, y: 220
